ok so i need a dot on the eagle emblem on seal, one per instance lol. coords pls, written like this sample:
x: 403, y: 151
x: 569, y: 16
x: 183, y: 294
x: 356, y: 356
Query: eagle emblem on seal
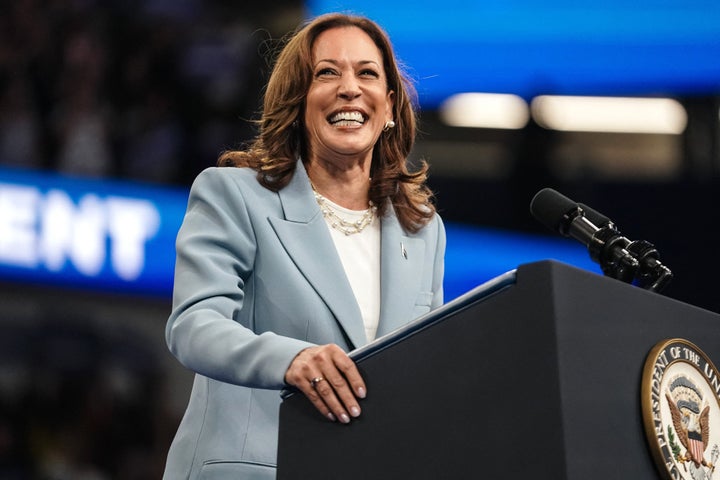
x: 691, y: 421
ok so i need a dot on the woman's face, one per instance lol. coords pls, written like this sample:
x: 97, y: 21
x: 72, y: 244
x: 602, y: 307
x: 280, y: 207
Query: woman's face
x: 348, y: 102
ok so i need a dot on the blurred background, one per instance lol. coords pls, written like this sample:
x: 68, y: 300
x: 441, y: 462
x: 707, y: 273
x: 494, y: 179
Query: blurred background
x: 109, y: 109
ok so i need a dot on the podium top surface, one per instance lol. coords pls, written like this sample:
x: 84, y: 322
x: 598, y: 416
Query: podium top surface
x: 479, y: 293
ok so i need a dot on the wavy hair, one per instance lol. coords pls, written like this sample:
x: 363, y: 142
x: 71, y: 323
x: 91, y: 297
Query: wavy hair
x: 281, y: 138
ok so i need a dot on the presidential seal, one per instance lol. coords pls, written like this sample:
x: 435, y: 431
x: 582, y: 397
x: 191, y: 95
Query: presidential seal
x: 681, y: 410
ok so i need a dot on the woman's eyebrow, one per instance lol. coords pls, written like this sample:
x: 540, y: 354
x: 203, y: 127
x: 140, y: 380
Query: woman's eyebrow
x: 337, y: 62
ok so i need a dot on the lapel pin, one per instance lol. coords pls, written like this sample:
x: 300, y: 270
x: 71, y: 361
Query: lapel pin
x: 403, y: 251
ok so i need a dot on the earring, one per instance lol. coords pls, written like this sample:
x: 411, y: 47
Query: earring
x: 388, y: 125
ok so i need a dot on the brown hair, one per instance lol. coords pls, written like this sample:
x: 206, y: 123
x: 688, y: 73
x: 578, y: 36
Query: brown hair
x: 275, y: 150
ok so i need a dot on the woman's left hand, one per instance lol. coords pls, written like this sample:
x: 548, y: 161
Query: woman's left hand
x: 330, y: 380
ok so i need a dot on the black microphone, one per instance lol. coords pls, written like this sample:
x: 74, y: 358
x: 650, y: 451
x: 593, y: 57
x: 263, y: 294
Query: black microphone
x: 559, y: 213
x: 617, y: 256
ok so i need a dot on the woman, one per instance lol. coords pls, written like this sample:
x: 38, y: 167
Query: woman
x: 319, y: 242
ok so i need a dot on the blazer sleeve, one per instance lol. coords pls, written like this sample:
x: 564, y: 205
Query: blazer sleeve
x: 216, y: 248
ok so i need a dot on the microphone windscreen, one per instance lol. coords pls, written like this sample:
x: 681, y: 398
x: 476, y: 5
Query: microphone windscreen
x: 550, y: 208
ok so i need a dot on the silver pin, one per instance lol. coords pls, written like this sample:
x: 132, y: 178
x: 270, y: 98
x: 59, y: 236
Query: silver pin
x: 403, y: 251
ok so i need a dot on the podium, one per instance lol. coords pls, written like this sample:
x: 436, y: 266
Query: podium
x: 534, y: 375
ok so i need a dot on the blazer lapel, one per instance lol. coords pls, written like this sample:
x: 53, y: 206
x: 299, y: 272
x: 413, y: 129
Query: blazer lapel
x: 304, y: 235
x: 401, y: 264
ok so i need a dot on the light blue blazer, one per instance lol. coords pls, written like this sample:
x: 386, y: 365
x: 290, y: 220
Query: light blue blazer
x: 257, y: 280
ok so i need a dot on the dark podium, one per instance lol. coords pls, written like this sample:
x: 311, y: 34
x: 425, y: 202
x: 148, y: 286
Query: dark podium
x: 534, y: 375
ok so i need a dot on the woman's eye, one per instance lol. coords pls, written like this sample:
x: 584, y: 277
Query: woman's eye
x: 369, y: 73
x: 325, y: 71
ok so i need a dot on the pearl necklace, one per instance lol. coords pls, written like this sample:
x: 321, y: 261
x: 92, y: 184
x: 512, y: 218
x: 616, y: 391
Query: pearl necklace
x: 341, y: 224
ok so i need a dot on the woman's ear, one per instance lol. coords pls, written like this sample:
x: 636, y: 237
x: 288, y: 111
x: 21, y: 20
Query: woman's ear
x: 390, y: 104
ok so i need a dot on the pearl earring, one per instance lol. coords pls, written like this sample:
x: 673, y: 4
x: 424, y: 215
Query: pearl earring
x: 388, y: 125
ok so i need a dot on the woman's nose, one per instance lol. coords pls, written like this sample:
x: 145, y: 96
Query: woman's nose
x: 349, y: 87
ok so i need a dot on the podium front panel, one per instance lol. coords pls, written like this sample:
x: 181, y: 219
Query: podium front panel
x: 537, y: 379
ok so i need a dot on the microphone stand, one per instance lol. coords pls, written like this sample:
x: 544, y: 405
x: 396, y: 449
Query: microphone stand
x: 607, y: 248
x: 635, y: 261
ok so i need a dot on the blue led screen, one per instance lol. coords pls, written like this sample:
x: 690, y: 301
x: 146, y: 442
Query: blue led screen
x: 94, y: 234
x: 529, y: 47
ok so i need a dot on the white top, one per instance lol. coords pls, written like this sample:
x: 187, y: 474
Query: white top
x: 360, y: 256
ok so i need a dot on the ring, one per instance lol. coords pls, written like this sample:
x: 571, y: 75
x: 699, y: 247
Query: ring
x: 314, y: 382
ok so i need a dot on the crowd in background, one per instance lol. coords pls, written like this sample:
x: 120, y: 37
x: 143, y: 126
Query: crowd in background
x: 149, y: 90
x: 78, y: 403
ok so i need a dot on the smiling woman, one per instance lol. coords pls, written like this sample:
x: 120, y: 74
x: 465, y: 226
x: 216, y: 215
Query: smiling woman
x: 318, y: 242
x: 284, y: 135
x: 347, y: 107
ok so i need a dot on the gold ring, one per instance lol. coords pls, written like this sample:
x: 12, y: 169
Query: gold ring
x: 314, y: 382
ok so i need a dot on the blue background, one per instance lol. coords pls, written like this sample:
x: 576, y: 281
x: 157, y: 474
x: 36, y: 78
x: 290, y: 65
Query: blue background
x: 529, y: 47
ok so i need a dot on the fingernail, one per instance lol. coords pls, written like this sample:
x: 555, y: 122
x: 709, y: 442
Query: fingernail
x: 331, y: 416
x: 361, y: 392
x: 355, y: 411
x: 344, y: 418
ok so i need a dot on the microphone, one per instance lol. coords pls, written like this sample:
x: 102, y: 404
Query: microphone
x: 559, y: 213
x: 620, y: 258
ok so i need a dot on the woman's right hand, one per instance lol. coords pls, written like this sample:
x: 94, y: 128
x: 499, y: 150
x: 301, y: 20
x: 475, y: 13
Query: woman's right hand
x: 330, y: 379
